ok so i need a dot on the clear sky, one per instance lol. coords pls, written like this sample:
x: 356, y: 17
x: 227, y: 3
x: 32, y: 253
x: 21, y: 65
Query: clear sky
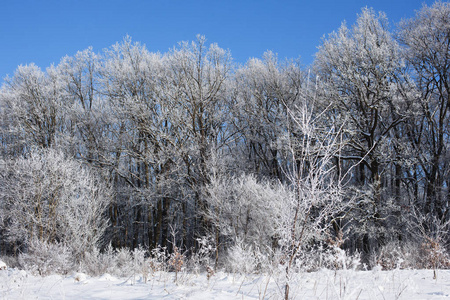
x: 43, y: 31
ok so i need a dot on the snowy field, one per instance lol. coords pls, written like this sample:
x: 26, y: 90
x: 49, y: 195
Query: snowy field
x: 325, y: 284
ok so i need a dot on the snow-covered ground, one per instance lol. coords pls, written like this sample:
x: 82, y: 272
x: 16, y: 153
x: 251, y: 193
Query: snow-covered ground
x: 324, y: 284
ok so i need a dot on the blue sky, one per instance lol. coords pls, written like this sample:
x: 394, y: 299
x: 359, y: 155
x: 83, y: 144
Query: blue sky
x: 45, y: 31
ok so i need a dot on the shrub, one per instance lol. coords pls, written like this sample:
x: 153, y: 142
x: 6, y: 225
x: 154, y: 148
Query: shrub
x: 46, y: 258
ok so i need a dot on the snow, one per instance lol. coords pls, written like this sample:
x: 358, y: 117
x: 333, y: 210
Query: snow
x: 324, y: 284
x: 3, y: 266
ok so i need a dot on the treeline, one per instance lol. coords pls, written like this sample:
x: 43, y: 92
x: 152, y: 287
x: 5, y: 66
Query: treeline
x: 139, y: 149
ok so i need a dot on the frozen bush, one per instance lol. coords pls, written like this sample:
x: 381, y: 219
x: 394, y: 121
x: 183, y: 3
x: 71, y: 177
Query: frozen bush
x: 52, y: 198
x: 430, y: 236
x: 46, y: 258
x: 10, y: 261
x: 396, y: 255
x: 245, y: 208
x: 158, y: 259
x: 121, y: 262
x: 245, y: 259
x: 97, y: 263
x: 201, y: 260
x: 140, y: 262
x: 336, y: 258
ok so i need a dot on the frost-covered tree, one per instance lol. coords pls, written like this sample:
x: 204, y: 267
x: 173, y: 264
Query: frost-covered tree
x: 32, y: 101
x: 168, y: 115
x: 83, y: 130
x: 197, y: 82
x: 129, y: 76
x: 360, y: 69
x: 264, y: 90
x: 48, y: 197
x: 279, y: 220
x: 426, y: 38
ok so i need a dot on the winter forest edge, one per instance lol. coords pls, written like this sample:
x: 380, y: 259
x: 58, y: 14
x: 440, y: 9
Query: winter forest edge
x: 193, y: 161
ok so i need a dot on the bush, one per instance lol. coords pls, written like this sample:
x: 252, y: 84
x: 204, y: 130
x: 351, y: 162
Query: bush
x: 396, y: 255
x: 46, y: 258
x: 55, y: 199
x: 247, y: 259
x: 121, y: 262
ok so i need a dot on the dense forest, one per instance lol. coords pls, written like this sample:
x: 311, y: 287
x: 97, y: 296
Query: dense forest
x: 267, y: 163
